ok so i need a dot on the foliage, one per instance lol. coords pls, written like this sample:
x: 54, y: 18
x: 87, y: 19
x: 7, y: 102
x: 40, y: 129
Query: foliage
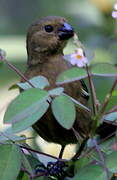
x: 96, y: 161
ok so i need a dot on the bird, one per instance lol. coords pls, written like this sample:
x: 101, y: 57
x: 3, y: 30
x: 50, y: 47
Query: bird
x: 46, y: 39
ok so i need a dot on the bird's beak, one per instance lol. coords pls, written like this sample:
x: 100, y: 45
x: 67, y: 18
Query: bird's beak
x: 65, y: 32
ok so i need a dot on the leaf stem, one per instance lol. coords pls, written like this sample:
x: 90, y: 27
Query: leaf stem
x: 92, y: 91
x: 92, y: 148
x: 3, y: 134
x: 97, y: 148
x: 33, y: 150
x: 19, y: 73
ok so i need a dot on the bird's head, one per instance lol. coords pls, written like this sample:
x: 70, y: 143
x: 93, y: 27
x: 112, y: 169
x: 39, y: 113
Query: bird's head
x: 47, y: 36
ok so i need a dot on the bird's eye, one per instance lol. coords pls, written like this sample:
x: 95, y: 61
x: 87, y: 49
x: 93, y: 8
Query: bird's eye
x: 48, y: 28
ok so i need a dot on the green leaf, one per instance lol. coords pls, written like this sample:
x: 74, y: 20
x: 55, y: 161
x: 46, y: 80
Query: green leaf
x: 26, y: 109
x: 37, y: 81
x: 22, y: 176
x: 56, y: 91
x: 111, y: 117
x: 35, y: 164
x: 104, y: 69
x: 1, y: 63
x: 23, y: 104
x: 10, y: 161
x: 90, y: 172
x: 33, y: 160
x: 70, y: 75
x: 28, y: 120
x: 106, y: 146
x: 26, y: 163
x: 64, y: 111
x: 114, y: 93
x: 43, y: 178
x: 78, y: 103
x: 81, y: 163
x: 111, y: 161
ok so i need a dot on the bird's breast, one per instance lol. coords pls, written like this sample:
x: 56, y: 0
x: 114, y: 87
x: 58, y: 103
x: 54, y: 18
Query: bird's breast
x: 50, y: 69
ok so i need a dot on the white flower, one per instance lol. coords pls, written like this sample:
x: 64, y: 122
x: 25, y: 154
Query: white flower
x: 78, y: 58
x: 2, y: 54
x: 114, y: 14
x: 115, y: 6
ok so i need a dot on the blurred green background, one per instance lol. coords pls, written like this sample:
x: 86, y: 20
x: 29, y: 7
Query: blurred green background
x: 91, y: 19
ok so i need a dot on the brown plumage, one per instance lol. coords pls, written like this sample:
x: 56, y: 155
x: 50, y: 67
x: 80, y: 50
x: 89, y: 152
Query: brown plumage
x: 46, y: 39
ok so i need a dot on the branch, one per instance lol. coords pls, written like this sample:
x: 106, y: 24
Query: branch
x: 106, y: 101
x: 101, y: 158
x: 18, y: 72
x: 38, y: 152
x: 92, y: 148
x: 92, y: 91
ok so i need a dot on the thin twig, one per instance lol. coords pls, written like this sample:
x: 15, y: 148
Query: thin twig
x: 26, y: 171
x: 30, y: 149
x: 92, y: 148
x: 78, y: 137
x: 106, y: 101
x: 92, y: 91
x: 80, y: 150
x: 32, y: 176
x: 91, y: 85
x: 18, y: 72
x: 114, y: 109
x: 3, y: 134
x: 101, y: 158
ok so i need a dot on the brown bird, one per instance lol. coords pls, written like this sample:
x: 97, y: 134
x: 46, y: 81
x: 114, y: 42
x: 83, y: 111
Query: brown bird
x: 46, y: 39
